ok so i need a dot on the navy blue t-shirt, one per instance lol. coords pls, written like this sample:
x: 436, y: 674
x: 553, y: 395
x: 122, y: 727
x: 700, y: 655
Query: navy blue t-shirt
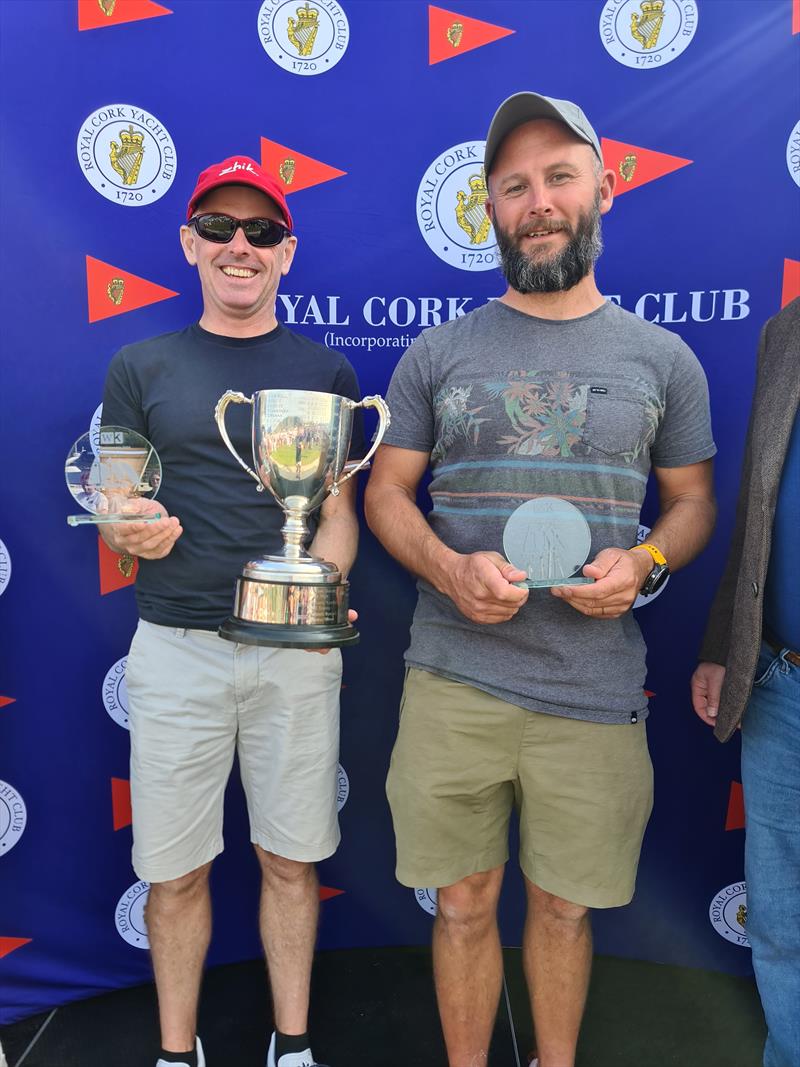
x: 167, y: 388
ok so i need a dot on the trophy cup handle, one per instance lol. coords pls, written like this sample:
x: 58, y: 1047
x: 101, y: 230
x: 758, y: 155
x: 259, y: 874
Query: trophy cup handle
x: 384, y: 419
x: 219, y: 414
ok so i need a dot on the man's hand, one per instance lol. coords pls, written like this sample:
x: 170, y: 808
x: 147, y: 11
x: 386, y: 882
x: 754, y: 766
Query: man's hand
x: 480, y: 587
x: 619, y: 575
x: 351, y: 617
x: 706, y: 688
x: 147, y: 540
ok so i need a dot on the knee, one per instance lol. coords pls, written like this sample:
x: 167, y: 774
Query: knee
x: 283, y: 873
x: 177, y: 892
x: 470, y: 904
x: 557, y: 912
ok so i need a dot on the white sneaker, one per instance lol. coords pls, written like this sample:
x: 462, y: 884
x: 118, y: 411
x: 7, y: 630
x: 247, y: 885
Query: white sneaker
x: 201, y: 1060
x: 291, y: 1059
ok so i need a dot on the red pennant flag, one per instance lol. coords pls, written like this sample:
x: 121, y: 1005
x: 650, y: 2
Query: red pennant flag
x: 735, y: 817
x: 636, y: 166
x: 112, y: 291
x: 325, y: 892
x: 791, y: 281
x: 294, y: 170
x: 116, y: 571
x: 9, y: 944
x: 795, y: 16
x: 95, y: 14
x: 649, y: 693
x: 6, y: 700
x: 450, y: 35
x: 121, y: 802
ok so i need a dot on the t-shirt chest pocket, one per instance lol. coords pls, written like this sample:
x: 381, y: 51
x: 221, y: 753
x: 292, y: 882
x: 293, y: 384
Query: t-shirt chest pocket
x: 615, y: 417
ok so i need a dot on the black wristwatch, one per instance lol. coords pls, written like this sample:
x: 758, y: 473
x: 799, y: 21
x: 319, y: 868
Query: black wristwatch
x: 658, y: 575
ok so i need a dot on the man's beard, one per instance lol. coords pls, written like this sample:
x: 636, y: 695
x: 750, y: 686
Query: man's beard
x: 555, y: 273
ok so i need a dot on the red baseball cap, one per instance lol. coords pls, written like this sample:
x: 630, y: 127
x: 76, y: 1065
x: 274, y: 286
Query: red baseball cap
x: 239, y: 170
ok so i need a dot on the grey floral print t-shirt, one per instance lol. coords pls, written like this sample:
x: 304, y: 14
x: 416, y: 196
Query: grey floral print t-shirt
x: 511, y: 407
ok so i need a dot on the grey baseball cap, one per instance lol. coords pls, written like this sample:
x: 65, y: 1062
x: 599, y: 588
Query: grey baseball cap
x: 522, y: 107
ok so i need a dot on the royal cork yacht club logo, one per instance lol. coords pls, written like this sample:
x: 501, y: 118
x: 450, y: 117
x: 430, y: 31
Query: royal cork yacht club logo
x: 647, y: 33
x: 451, y: 212
x: 728, y: 914
x: 13, y: 817
x: 127, y: 155
x: 129, y: 915
x: 451, y: 34
x: 793, y: 154
x: 5, y: 568
x: 114, y: 693
x: 304, y: 38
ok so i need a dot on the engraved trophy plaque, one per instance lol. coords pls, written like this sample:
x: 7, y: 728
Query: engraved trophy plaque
x: 300, y: 442
x: 549, y: 539
x: 111, y: 472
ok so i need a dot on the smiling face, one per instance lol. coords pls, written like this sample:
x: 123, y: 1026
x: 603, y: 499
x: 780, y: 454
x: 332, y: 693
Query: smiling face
x: 547, y: 193
x: 239, y: 282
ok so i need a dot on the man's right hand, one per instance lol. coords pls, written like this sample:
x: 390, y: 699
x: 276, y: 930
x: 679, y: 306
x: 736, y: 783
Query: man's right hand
x: 706, y: 688
x: 480, y: 587
x: 147, y: 540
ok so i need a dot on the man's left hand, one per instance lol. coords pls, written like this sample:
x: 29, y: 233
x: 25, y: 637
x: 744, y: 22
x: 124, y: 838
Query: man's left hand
x: 351, y: 617
x: 619, y: 575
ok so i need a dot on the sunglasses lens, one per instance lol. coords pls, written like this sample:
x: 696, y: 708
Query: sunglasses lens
x: 262, y: 233
x: 219, y: 228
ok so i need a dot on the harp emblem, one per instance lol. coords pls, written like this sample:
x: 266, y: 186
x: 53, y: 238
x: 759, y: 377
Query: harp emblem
x: 646, y: 27
x: 125, y: 564
x: 107, y: 7
x: 627, y: 166
x: 454, y: 32
x: 126, y: 159
x: 286, y: 171
x: 470, y: 213
x: 116, y: 290
x: 303, y: 31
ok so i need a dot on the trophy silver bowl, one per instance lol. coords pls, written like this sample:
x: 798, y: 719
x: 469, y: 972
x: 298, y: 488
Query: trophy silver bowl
x: 300, y: 442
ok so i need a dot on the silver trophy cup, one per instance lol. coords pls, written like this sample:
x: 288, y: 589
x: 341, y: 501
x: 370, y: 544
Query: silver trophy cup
x: 300, y: 445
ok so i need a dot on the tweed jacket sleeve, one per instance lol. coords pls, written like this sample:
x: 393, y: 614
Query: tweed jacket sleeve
x: 718, y: 629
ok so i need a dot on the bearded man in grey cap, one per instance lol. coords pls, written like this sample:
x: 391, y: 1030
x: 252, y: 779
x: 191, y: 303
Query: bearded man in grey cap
x: 533, y: 697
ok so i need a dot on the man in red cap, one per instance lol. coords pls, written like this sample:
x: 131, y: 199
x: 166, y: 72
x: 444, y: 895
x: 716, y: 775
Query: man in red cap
x: 195, y: 699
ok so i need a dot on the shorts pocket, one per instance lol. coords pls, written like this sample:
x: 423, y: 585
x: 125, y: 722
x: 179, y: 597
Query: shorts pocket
x: 614, y: 420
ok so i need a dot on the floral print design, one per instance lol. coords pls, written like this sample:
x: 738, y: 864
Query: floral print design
x: 547, y: 413
x: 454, y: 418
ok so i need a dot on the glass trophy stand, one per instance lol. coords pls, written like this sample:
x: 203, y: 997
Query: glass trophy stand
x: 550, y: 540
x: 113, y: 473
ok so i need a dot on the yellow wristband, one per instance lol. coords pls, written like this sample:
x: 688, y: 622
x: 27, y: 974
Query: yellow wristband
x: 656, y: 553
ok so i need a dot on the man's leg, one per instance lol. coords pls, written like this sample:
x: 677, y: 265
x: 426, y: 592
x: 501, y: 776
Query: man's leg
x: 468, y: 965
x: 288, y: 919
x: 771, y: 780
x: 178, y: 916
x: 557, y: 956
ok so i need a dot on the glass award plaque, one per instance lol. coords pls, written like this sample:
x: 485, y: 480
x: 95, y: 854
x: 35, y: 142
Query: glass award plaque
x: 111, y: 472
x: 550, y: 540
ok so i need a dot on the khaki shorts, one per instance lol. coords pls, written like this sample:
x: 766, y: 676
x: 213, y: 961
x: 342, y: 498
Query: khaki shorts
x: 463, y: 759
x: 194, y: 700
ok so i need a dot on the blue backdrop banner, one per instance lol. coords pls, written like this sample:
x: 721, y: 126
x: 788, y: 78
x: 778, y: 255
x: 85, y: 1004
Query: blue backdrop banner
x: 373, y: 117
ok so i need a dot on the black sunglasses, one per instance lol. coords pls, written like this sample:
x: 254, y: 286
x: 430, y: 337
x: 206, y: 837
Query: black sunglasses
x: 261, y: 233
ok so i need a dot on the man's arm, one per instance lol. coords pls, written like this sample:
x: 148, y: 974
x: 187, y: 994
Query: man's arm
x: 478, y: 583
x: 336, y: 539
x: 684, y: 526
x: 147, y: 540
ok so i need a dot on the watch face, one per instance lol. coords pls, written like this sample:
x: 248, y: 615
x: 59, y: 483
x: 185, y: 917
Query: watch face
x: 655, y: 579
